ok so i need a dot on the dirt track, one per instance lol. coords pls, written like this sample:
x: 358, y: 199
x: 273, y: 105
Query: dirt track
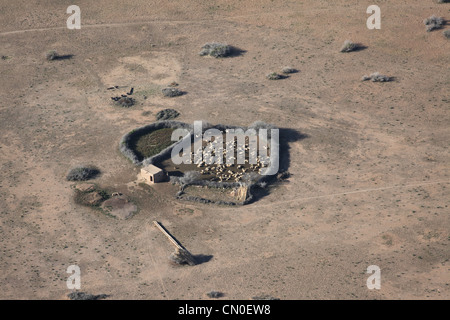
x: 370, y: 177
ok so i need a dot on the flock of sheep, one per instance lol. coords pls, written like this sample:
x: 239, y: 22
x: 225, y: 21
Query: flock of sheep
x: 229, y: 171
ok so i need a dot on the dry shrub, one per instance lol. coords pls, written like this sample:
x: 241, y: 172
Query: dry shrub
x: 376, y: 77
x: 52, y: 55
x: 433, y: 23
x: 273, y: 76
x: 447, y: 33
x: 288, y: 70
x: 216, y: 50
x: 349, y: 46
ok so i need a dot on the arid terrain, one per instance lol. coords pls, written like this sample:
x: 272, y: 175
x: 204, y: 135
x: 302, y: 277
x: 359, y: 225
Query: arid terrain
x: 370, y: 177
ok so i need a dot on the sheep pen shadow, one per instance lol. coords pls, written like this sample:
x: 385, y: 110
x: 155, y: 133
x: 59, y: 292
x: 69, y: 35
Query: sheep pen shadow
x: 286, y: 136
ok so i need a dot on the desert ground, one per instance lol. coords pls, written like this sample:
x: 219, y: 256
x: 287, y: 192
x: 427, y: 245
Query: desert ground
x: 370, y: 177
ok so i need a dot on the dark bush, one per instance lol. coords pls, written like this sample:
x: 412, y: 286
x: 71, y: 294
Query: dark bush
x: 167, y: 114
x: 82, y: 173
x: 171, y: 92
x: 85, y: 296
x: 125, y: 102
x: 214, y: 294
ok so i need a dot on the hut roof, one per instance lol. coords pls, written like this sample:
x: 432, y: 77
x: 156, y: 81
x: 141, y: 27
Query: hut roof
x: 152, y: 169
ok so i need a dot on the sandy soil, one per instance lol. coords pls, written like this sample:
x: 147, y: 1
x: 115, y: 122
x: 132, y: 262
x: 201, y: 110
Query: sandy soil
x: 370, y: 180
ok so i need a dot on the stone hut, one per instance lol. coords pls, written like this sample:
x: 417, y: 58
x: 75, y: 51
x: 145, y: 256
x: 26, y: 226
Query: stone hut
x: 152, y: 174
